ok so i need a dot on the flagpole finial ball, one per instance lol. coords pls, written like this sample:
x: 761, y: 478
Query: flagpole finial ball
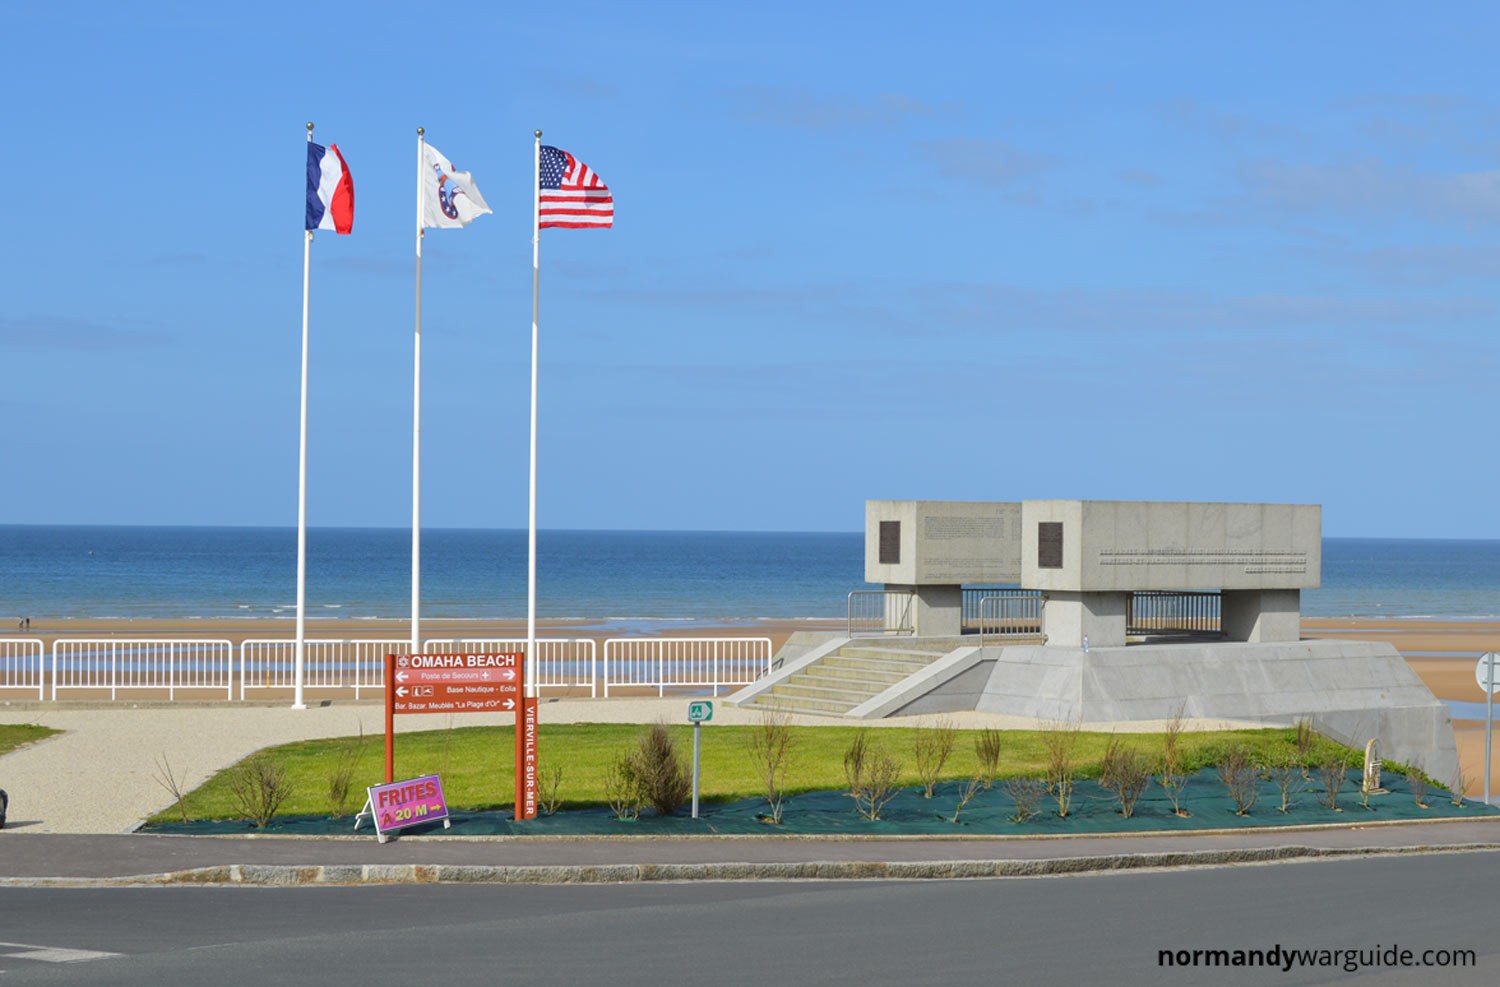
x: 309, y: 126
x: 421, y: 131
x: 539, y: 133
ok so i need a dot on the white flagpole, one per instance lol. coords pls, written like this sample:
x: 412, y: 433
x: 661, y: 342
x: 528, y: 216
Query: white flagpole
x: 536, y: 240
x: 301, y: 655
x: 416, y: 429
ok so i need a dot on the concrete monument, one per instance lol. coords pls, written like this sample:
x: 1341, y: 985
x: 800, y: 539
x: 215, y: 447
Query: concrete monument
x: 1087, y: 560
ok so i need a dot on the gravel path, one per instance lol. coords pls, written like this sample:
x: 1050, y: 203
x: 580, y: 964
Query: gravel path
x: 100, y: 774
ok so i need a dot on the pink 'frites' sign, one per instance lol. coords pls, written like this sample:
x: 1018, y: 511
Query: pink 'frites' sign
x: 407, y: 803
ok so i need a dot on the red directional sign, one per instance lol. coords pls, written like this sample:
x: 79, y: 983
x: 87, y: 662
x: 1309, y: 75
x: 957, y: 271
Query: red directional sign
x: 466, y: 683
x: 456, y: 683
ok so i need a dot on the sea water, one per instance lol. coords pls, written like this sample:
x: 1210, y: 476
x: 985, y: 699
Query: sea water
x: 62, y: 572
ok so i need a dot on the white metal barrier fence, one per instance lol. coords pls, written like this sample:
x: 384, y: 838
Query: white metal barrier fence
x: 560, y: 662
x: 881, y: 611
x: 114, y: 664
x: 170, y: 665
x: 676, y: 662
x: 21, y: 664
x: 267, y: 663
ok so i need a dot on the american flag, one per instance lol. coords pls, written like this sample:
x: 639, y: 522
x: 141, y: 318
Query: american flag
x: 572, y: 196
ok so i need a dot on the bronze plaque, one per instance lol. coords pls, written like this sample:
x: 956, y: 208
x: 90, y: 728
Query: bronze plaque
x: 1049, y: 554
x: 890, y: 542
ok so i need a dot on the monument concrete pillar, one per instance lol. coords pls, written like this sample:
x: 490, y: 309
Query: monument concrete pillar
x: 1261, y: 615
x: 937, y: 611
x: 1068, y: 616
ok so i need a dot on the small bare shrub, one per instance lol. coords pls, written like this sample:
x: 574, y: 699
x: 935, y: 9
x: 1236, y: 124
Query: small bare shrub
x: 1305, y: 739
x: 987, y: 750
x: 771, y: 744
x: 550, y: 781
x: 1333, y: 772
x: 258, y: 787
x: 1130, y: 775
x: 167, y: 778
x: 1109, y: 763
x: 1173, y: 778
x: 931, y: 748
x: 877, y: 783
x: 665, y: 782
x: 966, y: 794
x: 1060, y: 741
x: 1171, y: 740
x: 855, y: 759
x: 622, y: 789
x: 1456, y: 789
x: 1241, y: 779
x: 1025, y: 794
x: 341, y: 772
x: 1289, y: 775
x: 1418, y: 791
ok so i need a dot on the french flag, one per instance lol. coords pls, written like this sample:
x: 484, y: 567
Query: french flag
x: 330, y: 190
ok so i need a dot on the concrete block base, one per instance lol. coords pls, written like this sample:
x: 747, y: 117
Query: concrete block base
x: 1067, y: 618
x: 1352, y: 691
x: 938, y: 611
x: 1262, y: 615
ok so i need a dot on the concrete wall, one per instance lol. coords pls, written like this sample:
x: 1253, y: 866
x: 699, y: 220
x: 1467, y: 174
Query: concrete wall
x: 1350, y: 690
x: 1113, y: 546
x: 943, y: 542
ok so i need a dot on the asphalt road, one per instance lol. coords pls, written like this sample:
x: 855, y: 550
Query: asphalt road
x: 1083, y: 929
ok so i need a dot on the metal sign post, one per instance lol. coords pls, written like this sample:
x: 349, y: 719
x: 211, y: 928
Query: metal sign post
x: 1485, y: 673
x: 698, y: 714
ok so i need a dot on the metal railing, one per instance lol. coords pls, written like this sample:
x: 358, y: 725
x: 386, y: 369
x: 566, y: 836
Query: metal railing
x: 973, y: 597
x: 113, y: 664
x: 168, y: 665
x: 1010, y: 615
x: 881, y: 611
x: 560, y: 662
x: 22, y: 664
x: 1173, y: 612
x: 270, y: 663
x: 685, y: 662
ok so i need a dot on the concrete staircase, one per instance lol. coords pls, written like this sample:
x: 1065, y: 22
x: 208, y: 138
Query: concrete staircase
x: 842, y: 680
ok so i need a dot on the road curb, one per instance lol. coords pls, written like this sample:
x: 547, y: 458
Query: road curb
x: 341, y: 875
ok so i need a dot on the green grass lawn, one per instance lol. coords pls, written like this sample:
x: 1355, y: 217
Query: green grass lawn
x: 477, y: 763
x: 13, y: 735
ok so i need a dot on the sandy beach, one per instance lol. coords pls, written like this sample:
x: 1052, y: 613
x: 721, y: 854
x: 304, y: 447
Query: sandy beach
x: 378, y: 629
x: 1442, y: 653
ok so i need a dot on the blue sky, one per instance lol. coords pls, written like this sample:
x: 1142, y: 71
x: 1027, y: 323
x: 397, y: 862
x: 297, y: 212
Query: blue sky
x: 1165, y: 252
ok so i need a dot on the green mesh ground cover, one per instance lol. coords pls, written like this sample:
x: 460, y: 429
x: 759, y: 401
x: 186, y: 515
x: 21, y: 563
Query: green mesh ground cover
x: 909, y: 814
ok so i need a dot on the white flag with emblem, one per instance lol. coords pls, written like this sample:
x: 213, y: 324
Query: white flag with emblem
x: 450, y: 198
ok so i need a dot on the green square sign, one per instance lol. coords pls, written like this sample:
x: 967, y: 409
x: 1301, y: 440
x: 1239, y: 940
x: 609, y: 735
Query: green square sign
x: 700, y: 712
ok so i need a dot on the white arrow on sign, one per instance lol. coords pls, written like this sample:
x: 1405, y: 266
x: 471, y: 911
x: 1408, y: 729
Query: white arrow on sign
x: 401, y: 691
x: 510, y: 704
x: 400, y: 676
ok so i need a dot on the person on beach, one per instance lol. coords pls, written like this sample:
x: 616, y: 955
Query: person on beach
x: 4, y: 804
